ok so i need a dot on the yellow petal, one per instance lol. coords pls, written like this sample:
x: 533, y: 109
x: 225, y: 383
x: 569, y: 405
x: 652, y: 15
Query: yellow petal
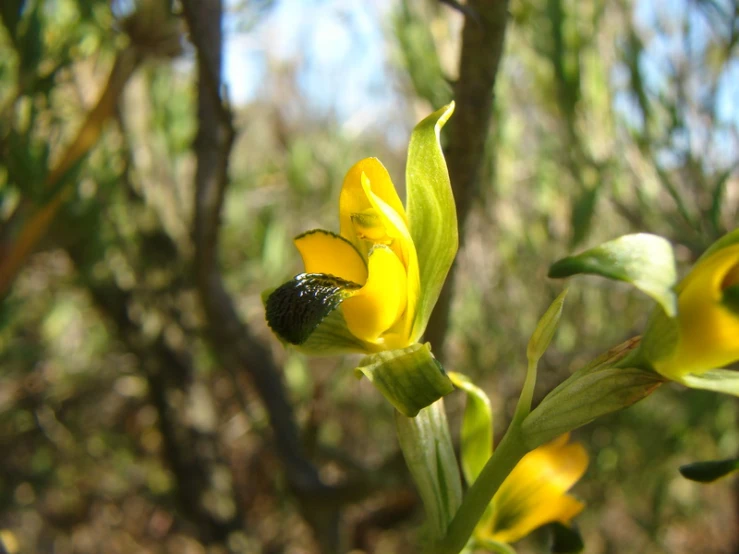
x: 325, y: 252
x: 379, y: 304
x: 708, y: 330
x: 353, y: 199
x: 534, y: 492
x: 402, y: 244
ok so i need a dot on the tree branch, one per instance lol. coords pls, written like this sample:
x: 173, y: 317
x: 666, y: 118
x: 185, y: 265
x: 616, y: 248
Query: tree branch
x: 482, y: 47
x: 230, y: 339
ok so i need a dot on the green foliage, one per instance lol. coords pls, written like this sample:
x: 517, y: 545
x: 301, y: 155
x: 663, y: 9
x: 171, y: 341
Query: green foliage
x: 645, y: 261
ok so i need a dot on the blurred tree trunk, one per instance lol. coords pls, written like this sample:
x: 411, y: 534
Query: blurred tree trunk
x: 482, y: 48
x: 189, y: 435
x: 231, y: 340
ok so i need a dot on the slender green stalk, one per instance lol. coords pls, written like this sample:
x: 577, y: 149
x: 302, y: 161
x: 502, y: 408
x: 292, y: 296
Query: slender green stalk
x: 508, y: 453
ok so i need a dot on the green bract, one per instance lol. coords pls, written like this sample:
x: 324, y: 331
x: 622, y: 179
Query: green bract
x: 643, y: 260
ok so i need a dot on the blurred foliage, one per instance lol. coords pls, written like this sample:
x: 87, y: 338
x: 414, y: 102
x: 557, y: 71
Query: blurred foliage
x: 611, y: 117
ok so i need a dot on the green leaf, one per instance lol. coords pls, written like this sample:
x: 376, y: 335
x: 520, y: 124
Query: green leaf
x: 409, y: 378
x: 545, y: 329
x: 565, y: 539
x: 432, y: 216
x: 643, y: 260
x: 707, y: 472
x: 429, y: 455
x: 477, y: 428
x: 294, y: 310
x: 718, y: 380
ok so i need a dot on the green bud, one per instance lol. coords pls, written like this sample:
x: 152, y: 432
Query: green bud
x: 594, y: 391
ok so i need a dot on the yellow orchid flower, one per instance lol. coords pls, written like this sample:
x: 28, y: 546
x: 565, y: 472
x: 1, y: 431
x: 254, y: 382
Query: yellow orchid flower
x: 371, y: 287
x: 707, y: 317
x: 534, y: 493
x: 375, y: 252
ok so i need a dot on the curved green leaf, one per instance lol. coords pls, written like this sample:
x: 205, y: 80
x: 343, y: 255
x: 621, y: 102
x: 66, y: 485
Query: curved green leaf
x: 643, y: 260
x: 432, y: 216
x: 477, y: 428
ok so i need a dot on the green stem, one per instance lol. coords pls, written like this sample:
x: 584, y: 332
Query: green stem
x: 508, y: 453
x: 429, y: 454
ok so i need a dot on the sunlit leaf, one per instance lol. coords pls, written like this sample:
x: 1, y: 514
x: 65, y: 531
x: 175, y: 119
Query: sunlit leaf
x: 646, y: 261
x: 432, y: 215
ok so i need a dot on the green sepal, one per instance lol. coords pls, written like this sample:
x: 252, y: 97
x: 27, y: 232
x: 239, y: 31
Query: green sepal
x: 545, y: 329
x: 409, y: 378
x: 707, y: 472
x: 477, y: 428
x: 643, y: 260
x: 295, y: 309
x: 661, y: 336
x: 494, y: 546
x: 729, y: 239
x: 432, y: 215
x: 725, y: 381
x: 429, y: 454
x: 565, y: 539
x: 730, y: 298
x: 598, y: 389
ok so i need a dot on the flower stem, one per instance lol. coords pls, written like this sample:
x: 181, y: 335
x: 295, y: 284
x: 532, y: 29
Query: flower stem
x: 508, y: 453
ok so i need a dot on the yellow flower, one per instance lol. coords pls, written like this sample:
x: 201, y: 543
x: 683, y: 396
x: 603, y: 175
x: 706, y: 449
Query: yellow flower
x: 534, y: 493
x: 372, y: 287
x: 375, y: 251
x: 706, y: 333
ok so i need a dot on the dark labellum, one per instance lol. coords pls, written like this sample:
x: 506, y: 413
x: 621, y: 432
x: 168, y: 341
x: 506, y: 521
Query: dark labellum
x: 295, y: 309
